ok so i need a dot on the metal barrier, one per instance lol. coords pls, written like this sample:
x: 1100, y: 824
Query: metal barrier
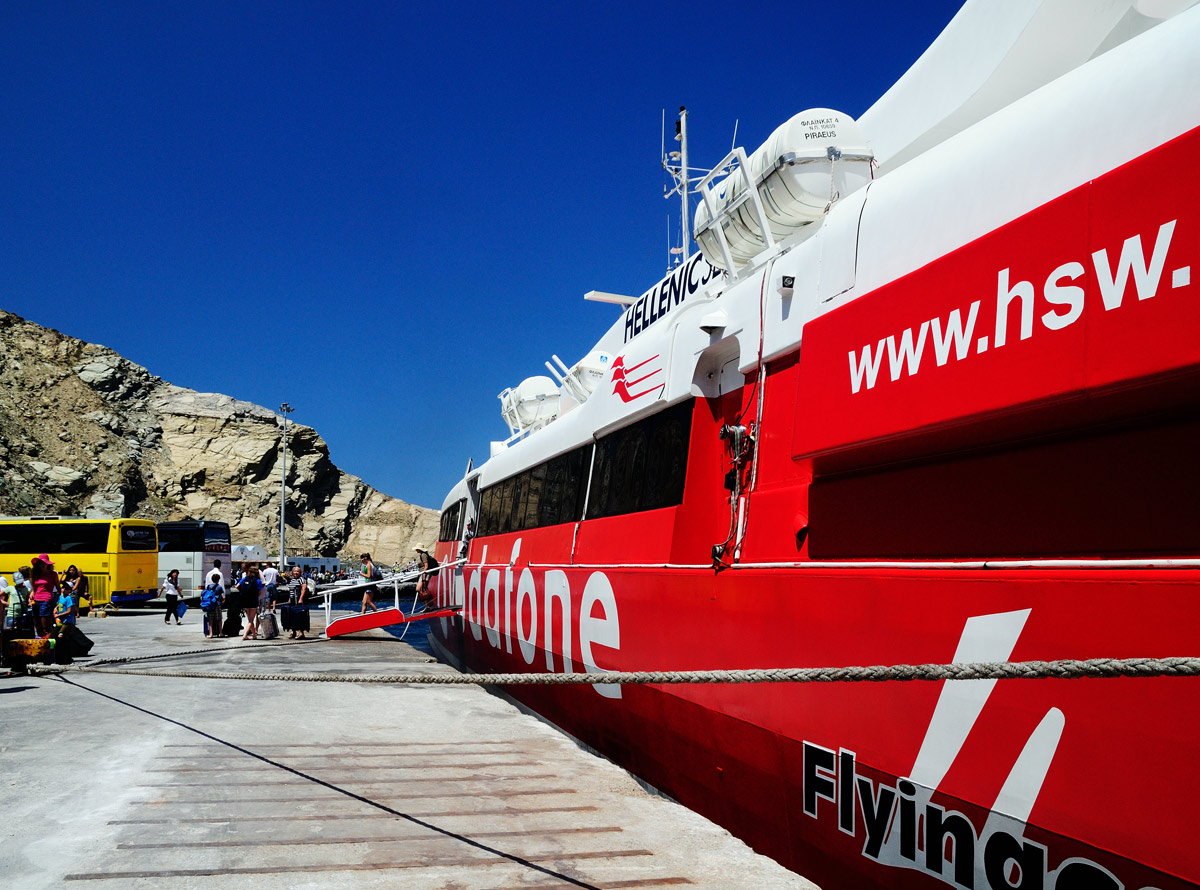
x: 394, y: 580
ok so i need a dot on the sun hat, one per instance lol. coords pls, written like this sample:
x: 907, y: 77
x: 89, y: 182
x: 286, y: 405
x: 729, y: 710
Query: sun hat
x: 46, y: 559
x: 420, y: 548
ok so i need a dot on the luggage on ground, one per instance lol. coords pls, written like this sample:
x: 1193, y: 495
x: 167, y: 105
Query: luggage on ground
x: 60, y: 650
x: 299, y: 618
x: 75, y: 640
x: 294, y: 617
x: 268, y: 626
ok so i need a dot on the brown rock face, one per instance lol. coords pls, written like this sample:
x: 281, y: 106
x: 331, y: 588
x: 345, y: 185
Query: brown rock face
x: 85, y: 432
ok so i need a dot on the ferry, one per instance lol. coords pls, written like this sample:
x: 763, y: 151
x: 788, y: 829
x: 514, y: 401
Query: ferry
x: 928, y: 393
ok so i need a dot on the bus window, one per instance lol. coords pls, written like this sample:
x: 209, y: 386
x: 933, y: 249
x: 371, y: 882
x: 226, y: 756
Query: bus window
x: 216, y: 537
x: 138, y: 537
x: 54, y: 537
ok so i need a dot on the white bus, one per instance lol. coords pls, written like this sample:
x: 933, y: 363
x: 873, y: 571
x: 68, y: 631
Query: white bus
x: 192, y: 546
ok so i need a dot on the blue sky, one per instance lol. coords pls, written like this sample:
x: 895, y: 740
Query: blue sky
x: 383, y: 213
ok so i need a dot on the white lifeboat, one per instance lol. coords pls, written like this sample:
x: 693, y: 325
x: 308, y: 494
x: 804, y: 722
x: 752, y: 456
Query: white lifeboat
x: 807, y: 164
x: 530, y: 405
x: 590, y: 370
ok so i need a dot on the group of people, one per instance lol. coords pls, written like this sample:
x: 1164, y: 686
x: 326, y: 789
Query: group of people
x: 39, y: 599
x: 424, y: 563
x: 258, y: 596
x: 252, y: 595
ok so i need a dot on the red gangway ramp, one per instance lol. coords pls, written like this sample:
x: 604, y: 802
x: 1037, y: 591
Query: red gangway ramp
x: 349, y: 624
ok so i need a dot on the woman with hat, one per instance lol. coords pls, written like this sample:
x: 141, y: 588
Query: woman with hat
x: 427, y: 565
x: 369, y: 573
x: 45, y: 588
x: 170, y: 592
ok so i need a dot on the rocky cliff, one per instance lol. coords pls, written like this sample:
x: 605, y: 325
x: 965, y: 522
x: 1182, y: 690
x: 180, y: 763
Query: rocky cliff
x: 85, y: 432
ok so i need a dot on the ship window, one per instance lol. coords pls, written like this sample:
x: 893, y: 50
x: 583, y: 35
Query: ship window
x: 510, y: 518
x: 535, y: 485
x: 550, y: 508
x: 462, y: 519
x: 642, y: 467
x: 575, y: 466
x: 639, y: 468
x: 487, y: 511
x: 548, y: 494
x: 504, y: 507
x: 450, y: 522
x: 666, y: 462
x: 602, y: 472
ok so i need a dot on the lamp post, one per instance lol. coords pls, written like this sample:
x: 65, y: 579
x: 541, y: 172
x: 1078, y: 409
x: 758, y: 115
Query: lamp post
x: 285, y: 409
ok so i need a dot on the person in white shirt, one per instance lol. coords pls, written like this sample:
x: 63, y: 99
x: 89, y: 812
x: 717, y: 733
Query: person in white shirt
x: 216, y: 576
x: 270, y: 580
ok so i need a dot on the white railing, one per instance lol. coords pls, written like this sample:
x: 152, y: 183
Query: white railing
x: 394, y: 580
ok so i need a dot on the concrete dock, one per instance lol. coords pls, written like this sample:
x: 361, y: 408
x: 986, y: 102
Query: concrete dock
x: 115, y: 781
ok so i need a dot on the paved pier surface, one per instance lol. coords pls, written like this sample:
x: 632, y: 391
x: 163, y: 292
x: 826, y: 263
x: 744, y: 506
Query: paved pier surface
x: 115, y: 781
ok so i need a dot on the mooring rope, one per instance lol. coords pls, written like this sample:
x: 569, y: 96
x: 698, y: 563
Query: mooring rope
x: 127, y: 659
x: 991, y: 670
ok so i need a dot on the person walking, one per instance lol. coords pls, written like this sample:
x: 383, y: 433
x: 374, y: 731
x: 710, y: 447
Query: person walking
x: 45, y: 588
x: 369, y: 573
x: 170, y: 592
x: 270, y: 580
x: 249, y: 590
x: 295, y: 616
x: 427, y: 565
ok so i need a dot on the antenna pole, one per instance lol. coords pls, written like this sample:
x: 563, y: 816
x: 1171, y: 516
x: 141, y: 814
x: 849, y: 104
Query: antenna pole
x: 683, y: 192
x: 285, y: 409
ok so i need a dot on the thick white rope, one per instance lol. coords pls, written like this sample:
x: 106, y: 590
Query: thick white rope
x: 1002, y: 670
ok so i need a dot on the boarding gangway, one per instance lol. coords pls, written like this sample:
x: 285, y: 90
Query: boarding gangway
x: 382, y: 617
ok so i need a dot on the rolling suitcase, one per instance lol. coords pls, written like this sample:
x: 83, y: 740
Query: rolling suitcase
x: 232, y: 626
x: 268, y: 626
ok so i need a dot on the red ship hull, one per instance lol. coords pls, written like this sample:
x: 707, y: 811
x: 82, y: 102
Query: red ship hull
x: 1031, y: 495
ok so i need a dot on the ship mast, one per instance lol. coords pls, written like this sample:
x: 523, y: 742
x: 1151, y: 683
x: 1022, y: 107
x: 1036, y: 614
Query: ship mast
x: 676, y: 163
x: 681, y: 135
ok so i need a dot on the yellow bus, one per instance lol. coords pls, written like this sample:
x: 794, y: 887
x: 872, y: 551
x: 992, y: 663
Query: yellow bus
x: 118, y: 556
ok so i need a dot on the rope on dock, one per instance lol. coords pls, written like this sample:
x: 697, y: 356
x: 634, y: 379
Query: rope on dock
x: 1002, y: 670
x: 204, y: 650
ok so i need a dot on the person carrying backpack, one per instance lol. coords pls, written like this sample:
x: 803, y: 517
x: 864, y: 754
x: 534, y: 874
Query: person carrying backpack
x: 428, y: 568
x: 210, y: 603
x: 249, y: 589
